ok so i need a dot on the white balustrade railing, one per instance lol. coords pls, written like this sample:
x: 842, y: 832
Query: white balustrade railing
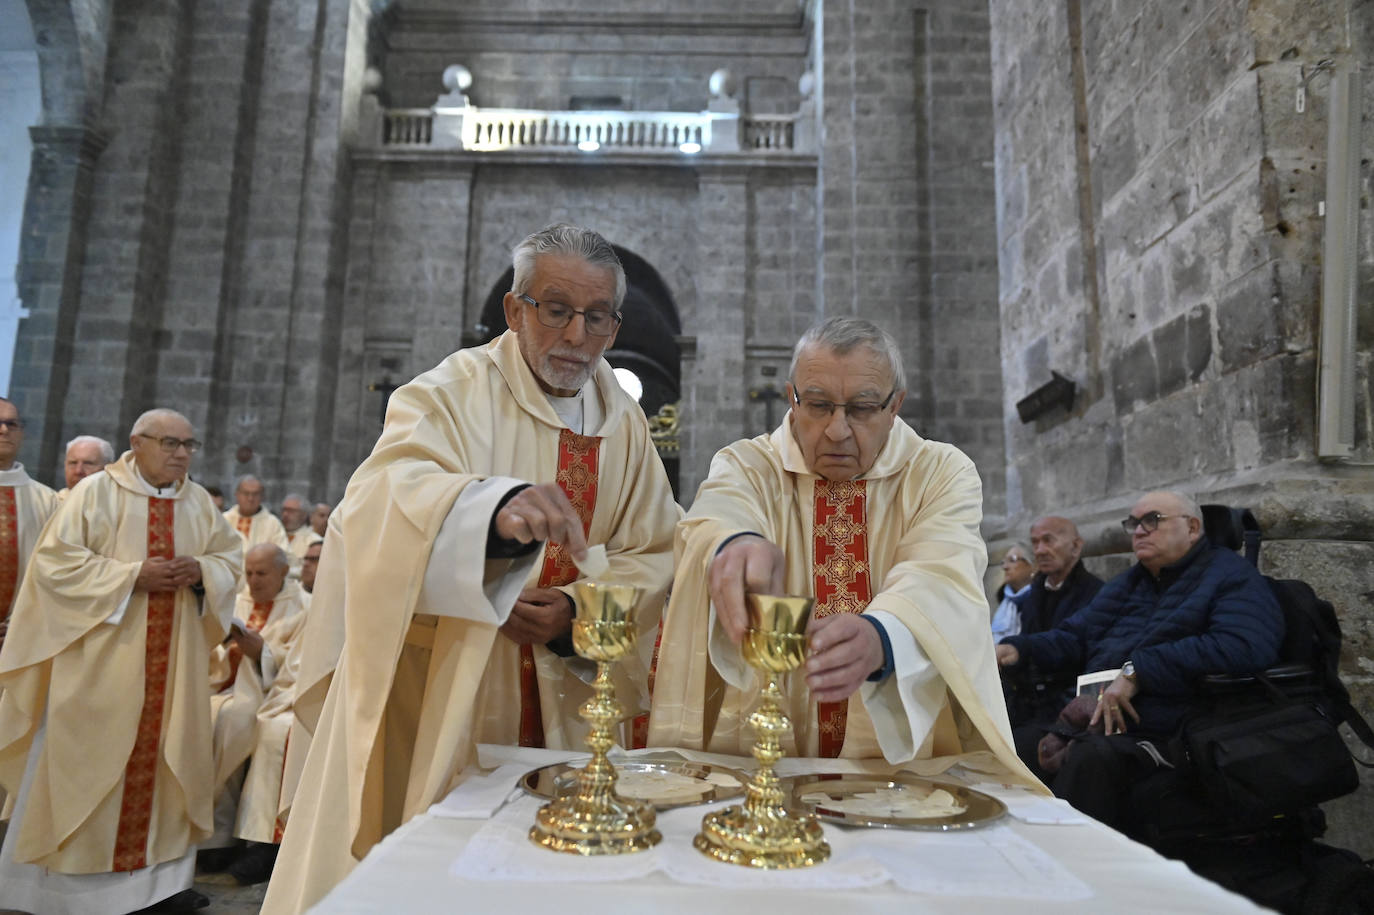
x: 511, y: 129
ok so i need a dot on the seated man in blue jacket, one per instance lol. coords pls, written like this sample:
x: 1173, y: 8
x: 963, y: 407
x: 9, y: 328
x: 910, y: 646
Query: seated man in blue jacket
x: 1185, y: 610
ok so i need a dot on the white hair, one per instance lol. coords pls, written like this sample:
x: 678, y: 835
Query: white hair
x: 298, y: 497
x: 841, y: 335
x: 573, y: 241
x: 106, y: 449
x: 244, y: 479
x: 154, y: 416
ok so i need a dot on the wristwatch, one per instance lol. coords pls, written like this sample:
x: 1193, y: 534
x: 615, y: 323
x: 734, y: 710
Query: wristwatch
x: 1128, y: 670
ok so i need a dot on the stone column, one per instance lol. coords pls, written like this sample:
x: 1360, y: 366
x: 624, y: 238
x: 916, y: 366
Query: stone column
x: 714, y: 384
x: 51, y: 251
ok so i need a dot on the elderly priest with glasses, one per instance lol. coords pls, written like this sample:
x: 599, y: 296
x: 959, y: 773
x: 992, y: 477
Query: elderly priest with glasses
x: 441, y: 612
x: 845, y: 503
x: 104, y: 686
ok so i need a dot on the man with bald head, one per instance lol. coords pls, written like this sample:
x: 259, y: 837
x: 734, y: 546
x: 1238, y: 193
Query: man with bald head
x: 267, y: 618
x: 86, y: 454
x: 845, y: 503
x: 25, y: 506
x: 104, y: 686
x: 1186, y: 609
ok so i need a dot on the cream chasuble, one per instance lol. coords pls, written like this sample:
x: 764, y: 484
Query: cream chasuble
x: 297, y: 542
x: 423, y: 675
x: 117, y: 679
x: 907, y: 533
x: 25, y: 506
x: 260, y: 803
x: 238, y: 686
x: 260, y: 527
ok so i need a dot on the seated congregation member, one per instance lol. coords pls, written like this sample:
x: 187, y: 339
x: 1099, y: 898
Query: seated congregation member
x: 1017, y: 573
x: 24, y: 503
x: 441, y: 609
x: 86, y: 454
x: 254, y: 523
x: 242, y: 671
x: 104, y: 686
x: 846, y: 503
x: 1186, y: 609
x: 1061, y: 587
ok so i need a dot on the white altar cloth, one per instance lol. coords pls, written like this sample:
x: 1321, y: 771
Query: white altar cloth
x: 416, y: 868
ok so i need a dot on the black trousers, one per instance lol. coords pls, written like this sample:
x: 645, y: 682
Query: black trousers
x: 1099, y: 772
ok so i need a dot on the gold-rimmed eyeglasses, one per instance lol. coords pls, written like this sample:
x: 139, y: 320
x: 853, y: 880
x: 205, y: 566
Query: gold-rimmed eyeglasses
x: 169, y: 445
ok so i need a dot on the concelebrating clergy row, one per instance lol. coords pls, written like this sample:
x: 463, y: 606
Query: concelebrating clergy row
x: 273, y: 689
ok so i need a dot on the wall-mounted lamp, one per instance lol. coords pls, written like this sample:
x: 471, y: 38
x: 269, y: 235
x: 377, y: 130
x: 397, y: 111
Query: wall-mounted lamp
x: 1058, y: 392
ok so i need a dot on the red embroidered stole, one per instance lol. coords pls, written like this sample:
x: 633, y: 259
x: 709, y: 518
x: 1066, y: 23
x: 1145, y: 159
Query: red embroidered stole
x: 244, y: 525
x: 9, y: 555
x: 577, y: 457
x: 136, y: 808
x: 256, y: 620
x: 842, y: 578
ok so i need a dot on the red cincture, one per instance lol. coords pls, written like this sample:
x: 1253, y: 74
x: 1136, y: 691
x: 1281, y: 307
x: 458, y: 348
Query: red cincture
x: 577, y: 456
x: 9, y: 555
x: 136, y: 808
x: 842, y: 578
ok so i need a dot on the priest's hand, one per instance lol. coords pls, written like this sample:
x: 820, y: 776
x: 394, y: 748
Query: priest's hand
x: 540, y: 615
x: 845, y: 651
x: 248, y: 642
x: 157, y: 575
x: 542, y: 512
x: 748, y: 564
x: 187, y: 571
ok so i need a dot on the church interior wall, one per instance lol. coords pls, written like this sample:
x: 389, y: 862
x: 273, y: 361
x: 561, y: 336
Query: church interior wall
x: 1170, y: 263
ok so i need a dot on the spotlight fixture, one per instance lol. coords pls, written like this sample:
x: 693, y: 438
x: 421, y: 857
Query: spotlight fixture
x: 588, y: 145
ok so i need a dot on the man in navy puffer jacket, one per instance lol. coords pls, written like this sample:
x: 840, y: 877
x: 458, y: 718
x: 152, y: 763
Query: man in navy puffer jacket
x: 1184, y: 611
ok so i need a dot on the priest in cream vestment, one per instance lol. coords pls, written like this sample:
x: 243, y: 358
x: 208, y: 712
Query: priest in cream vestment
x: 244, y: 670
x: 442, y: 589
x: 253, y: 522
x: 25, y: 506
x: 846, y: 504
x: 104, y: 714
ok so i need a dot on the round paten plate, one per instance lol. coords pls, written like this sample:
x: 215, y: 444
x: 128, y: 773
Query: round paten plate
x: 664, y: 783
x: 899, y: 801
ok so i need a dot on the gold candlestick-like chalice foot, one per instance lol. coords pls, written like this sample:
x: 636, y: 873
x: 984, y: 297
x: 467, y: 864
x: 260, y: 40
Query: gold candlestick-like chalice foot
x: 596, y: 820
x: 761, y: 832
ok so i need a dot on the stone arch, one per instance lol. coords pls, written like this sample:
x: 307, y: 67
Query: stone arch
x: 71, y: 37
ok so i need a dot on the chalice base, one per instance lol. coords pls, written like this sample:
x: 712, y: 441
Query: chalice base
x: 614, y: 826
x: 773, y: 842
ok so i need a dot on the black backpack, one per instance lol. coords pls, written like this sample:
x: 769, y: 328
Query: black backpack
x: 1268, y: 744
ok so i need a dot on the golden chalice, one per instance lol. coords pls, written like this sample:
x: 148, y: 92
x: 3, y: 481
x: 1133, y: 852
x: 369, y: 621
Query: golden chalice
x: 595, y: 820
x: 761, y: 833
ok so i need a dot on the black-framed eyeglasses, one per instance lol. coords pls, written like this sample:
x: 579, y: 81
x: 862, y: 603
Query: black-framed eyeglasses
x: 859, y: 411
x: 599, y: 322
x: 11, y: 424
x: 169, y: 445
x: 1149, y: 521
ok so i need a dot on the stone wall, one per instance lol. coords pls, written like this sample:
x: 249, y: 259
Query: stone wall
x: 1160, y: 244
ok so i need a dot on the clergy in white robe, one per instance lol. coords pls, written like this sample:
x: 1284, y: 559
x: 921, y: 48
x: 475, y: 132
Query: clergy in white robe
x: 253, y: 522
x: 299, y: 534
x: 85, y: 455
x: 104, y: 714
x: 431, y: 625
x: 243, y: 670
x: 844, y: 503
x: 25, y: 506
